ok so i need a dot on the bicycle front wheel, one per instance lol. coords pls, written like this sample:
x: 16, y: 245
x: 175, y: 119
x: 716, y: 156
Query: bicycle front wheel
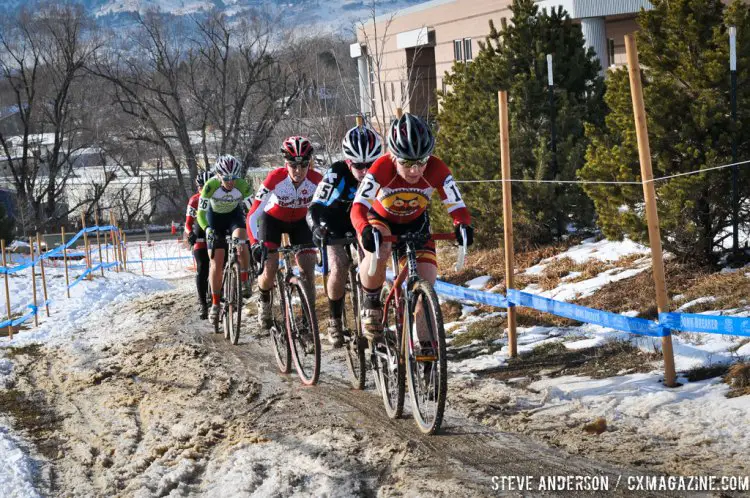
x: 426, y: 363
x: 233, y: 305
x: 355, y: 347
x: 279, y: 336
x: 388, y: 366
x: 302, y: 330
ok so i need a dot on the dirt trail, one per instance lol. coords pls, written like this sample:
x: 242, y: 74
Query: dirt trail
x: 176, y: 410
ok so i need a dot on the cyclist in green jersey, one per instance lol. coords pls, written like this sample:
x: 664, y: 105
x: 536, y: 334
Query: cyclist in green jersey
x: 221, y: 212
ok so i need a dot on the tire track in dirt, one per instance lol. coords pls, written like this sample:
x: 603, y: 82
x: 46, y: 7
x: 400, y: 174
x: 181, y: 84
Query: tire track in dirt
x: 169, y: 408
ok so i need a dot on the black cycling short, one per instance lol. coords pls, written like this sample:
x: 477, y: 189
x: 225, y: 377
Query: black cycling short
x: 225, y: 224
x: 270, y: 230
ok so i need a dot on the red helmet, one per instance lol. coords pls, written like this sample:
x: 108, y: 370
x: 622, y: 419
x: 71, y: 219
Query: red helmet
x: 297, y: 149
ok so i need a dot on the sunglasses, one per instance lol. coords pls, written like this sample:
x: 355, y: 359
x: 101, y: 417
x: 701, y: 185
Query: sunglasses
x: 297, y: 166
x: 359, y: 166
x: 228, y: 178
x: 410, y: 164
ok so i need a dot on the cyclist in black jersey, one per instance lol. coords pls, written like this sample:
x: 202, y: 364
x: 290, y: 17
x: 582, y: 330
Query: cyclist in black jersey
x: 328, y: 215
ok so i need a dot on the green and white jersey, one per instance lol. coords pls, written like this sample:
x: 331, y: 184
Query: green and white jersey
x: 220, y: 200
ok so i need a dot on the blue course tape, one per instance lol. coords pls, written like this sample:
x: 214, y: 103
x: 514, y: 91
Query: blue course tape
x: 458, y: 292
x: 615, y: 321
x: 159, y: 259
x: 710, y: 324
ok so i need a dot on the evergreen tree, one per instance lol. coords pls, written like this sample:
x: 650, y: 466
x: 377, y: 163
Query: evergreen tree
x: 514, y: 59
x: 684, y: 54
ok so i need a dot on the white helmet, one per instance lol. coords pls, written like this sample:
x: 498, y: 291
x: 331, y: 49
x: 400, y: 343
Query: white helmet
x: 228, y: 167
x: 362, y: 145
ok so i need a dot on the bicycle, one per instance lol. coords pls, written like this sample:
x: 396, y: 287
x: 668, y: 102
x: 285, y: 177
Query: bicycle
x: 406, y: 348
x: 300, y: 342
x: 230, y: 312
x: 354, y: 341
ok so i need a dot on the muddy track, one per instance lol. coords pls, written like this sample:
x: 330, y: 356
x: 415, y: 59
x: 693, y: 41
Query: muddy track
x: 173, y: 409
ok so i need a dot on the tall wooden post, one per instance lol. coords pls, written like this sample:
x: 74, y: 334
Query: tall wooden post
x: 98, y: 240
x: 399, y: 112
x: 65, y: 262
x: 140, y: 250
x: 33, y: 282
x: 41, y: 267
x: 649, y: 194
x: 114, y: 241
x: 124, y: 249
x: 507, y: 217
x: 359, y: 121
x: 7, y: 289
x: 86, y: 244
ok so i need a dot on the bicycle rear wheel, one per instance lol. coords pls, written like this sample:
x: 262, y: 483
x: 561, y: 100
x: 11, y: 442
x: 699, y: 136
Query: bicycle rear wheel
x: 426, y: 362
x: 233, y: 305
x: 355, y: 346
x: 389, y: 369
x: 279, y: 336
x: 302, y: 328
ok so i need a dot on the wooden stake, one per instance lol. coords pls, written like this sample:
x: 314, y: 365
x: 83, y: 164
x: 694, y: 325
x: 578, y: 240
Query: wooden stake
x: 360, y: 121
x: 507, y: 217
x: 7, y: 289
x: 33, y: 281
x: 140, y: 250
x: 98, y: 241
x: 115, y: 255
x: 649, y: 194
x: 65, y: 262
x: 44, y: 278
x: 85, y: 244
x: 399, y: 112
x: 124, y: 249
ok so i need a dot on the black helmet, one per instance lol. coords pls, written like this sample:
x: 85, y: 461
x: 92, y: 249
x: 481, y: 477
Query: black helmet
x: 202, y: 177
x: 410, y: 138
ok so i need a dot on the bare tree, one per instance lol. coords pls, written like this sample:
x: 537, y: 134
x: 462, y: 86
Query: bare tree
x: 44, y: 55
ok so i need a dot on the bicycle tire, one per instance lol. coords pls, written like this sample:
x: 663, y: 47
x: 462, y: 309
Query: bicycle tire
x: 389, y: 366
x: 226, y: 294
x: 355, y: 347
x: 302, y: 330
x: 428, y: 401
x: 279, y: 336
x: 235, y: 304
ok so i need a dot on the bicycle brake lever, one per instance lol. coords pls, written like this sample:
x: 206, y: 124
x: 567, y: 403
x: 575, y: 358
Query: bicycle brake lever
x: 374, y: 262
x: 462, y: 250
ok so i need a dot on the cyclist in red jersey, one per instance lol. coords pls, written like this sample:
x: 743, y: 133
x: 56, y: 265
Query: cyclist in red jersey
x: 280, y: 206
x: 393, y: 200
x: 196, y: 239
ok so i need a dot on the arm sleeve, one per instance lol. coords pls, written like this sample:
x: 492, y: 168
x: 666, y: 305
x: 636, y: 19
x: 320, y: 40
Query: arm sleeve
x: 453, y: 202
x: 363, y: 201
x: 191, y: 213
x: 256, y: 208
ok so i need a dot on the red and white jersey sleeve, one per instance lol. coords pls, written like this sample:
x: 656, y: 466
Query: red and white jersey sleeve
x: 280, y: 198
x: 192, y: 212
x: 394, y: 199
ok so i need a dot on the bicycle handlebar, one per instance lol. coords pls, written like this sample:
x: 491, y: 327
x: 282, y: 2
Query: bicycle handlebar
x: 417, y: 238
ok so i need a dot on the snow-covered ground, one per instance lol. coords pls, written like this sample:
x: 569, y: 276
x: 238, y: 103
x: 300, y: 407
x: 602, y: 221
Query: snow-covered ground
x: 633, y: 402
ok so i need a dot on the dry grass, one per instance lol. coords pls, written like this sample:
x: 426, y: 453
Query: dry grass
x: 562, y: 267
x: 738, y: 377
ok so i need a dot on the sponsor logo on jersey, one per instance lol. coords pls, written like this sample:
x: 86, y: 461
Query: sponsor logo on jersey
x: 404, y: 202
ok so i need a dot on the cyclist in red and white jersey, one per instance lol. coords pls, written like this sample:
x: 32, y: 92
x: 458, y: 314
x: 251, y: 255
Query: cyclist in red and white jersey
x: 393, y: 200
x: 280, y: 206
x: 196, y: 239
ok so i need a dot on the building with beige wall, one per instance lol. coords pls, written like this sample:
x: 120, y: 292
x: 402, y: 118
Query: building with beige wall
x: 402, y: 56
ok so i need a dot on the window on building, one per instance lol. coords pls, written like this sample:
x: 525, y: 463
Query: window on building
x: 457, y: 50
x: 385, y: 93
x: 467, y: 49
x: 393, y: 92
x: 403, y: 89
x: 445, y: 88
x: 372, y: 83
x: 611, y: 51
